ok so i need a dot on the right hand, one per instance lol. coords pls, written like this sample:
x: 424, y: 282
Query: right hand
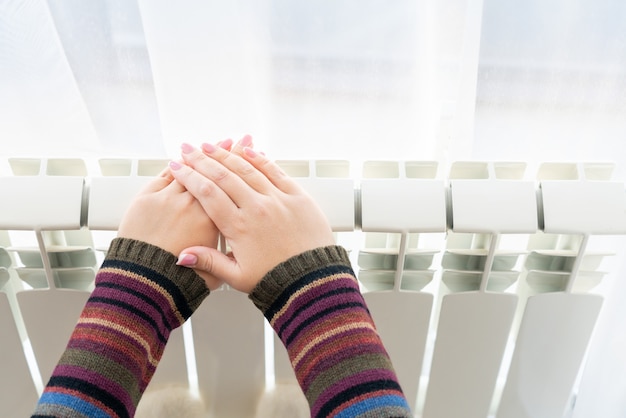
x: 263, y: 214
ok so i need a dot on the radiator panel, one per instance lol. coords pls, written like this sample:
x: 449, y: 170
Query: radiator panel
x: 481, y: 283
x: 17, y: 390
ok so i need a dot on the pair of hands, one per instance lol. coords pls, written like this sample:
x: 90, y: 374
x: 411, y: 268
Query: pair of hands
x: 264, y: 215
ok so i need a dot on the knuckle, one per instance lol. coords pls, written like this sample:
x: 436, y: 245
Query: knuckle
x: 247, y: 169
x: 205, y: 189
x: 260, y: 210
x: 226, y: 158
x: 238, y: 165
x: 239, y: 224
x: 273, y: 170
x: 220, y: 174
x: 206, y: 263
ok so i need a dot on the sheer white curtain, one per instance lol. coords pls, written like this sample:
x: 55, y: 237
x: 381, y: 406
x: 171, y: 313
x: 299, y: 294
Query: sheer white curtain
x: 342, y: 79
x: 325, y: 79
x: 552, y: 81
x: 552, y: 87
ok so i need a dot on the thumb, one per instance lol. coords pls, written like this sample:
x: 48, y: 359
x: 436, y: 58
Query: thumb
x: 210, y: 264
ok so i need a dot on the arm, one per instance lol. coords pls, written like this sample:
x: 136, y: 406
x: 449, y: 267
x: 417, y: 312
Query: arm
x: 140, y: 296
x: 283, y: 254
x: 314, y: 304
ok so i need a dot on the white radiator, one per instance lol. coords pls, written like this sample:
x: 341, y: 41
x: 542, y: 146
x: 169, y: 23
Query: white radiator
x: 482, y: 280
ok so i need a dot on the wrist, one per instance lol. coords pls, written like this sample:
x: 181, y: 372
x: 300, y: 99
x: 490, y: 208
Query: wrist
x: 296, y: 269
x: 155, y: 267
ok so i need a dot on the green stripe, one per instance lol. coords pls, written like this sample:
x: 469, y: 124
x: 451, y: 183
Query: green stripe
x: 106, y: 367
x: 346, y: 368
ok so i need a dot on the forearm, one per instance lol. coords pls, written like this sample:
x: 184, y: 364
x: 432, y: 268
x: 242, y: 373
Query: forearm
x: 314, y: 304
x: 139, y: 298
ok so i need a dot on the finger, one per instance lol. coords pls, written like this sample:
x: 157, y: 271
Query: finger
x: 188, y: 259
x: 161, y: 181
x: 240, y: 166
x: 215, y: 202
x: 217, y: 172
x: 168, y: 181
x: 272, y: 172
x: 166, y: 174
x: 209, y: 262
x: 226, y: 144
x: 176, y: 186
x: 234, y: 175
x: 244, y: 142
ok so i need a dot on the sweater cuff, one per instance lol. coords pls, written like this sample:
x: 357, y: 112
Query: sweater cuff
x: 146, y: 256
x: 290, y: 271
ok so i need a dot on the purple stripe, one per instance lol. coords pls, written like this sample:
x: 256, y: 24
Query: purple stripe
x: 319, y: 306
x: 136, y: 321
x: 312, y: 294
x: 159, y: 298
x: 350, y: 381
x: 355, y: 342
x: 133, y: 300
x: 135, y: 324
x: 309, y: 334
x: 128, y: 341
x: 98, y: 380
x: 348, y: 352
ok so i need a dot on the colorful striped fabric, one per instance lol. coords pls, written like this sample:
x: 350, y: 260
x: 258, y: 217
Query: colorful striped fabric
x: 139, y: 298
x: 313, y: 303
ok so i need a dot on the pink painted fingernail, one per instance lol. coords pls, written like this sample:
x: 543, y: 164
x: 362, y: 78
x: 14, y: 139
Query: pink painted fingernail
x: 246, y: 141
x: 250, y: 152
x: 186, y: 148
x: 174, y: 165
x: 208, y: 148
x: 187, y: 260
x: 226, y: 144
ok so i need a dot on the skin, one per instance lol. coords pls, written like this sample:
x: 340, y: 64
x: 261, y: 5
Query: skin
x: 166, y: 215
x: 263, y: 214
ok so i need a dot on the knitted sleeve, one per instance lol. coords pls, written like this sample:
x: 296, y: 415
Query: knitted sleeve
x: 140, y: 296
x: 314, y: 304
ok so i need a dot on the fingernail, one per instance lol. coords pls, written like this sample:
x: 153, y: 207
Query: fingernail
x: 208, y: 148
x: 246, y: 141
x: 226, y: 144
x: 174, y: 165
x: 186, y: 148
x: 250, y: 152
x: 187, y: 260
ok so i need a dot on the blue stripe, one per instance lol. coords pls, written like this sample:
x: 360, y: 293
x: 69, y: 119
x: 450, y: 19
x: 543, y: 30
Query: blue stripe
x: 372, y: 404
x: 74, y: 403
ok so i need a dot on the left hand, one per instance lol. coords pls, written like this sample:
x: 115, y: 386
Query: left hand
x: 166, y: 215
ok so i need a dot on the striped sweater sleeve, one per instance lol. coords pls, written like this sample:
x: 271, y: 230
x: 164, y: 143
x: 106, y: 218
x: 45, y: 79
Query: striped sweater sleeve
x: 140, y: 296
x: 314, y: 304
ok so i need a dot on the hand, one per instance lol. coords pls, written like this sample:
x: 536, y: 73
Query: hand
x: 164, y: 214
x: 264, y: 215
